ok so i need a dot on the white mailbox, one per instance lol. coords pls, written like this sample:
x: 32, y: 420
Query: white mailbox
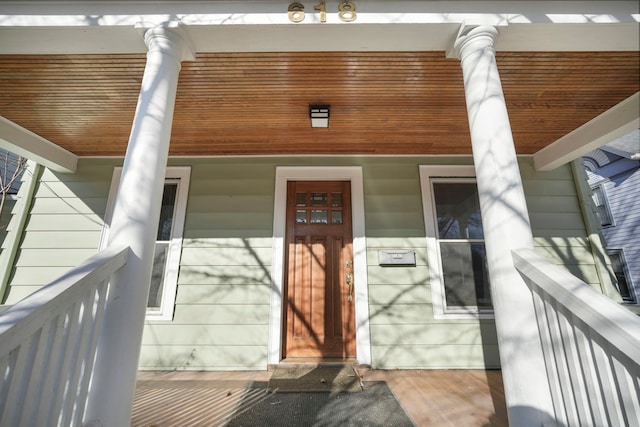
x: 397, y: 257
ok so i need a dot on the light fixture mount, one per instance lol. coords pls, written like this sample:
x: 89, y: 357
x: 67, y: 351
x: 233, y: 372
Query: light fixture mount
x: 319, y: 115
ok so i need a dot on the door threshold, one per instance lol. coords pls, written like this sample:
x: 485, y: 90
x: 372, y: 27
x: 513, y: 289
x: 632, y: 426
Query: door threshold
x: 318, y: 361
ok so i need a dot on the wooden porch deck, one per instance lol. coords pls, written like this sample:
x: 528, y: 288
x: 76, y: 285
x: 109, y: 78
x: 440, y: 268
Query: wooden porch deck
x: 460, y: 398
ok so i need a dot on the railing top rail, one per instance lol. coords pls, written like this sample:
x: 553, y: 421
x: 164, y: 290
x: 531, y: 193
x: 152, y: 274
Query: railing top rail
x: 604, y: 316
x: 22, y: 317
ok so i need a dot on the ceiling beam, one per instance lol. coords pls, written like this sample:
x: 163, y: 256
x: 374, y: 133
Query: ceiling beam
x: 23, y: 142
x: 608, y: 126
x: 99, y: 26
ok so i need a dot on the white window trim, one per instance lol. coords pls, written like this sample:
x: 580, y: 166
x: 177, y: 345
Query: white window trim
x: 605, y: 198
x: 627, y: 274
x: 182, y: 175
x: 427, y: 172
x: 361, y: 287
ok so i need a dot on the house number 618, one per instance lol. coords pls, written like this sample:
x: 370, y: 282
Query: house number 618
x: 346, y: 11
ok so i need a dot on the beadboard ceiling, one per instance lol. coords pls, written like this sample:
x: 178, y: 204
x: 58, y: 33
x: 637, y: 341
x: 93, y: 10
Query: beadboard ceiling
x: 384, y: 103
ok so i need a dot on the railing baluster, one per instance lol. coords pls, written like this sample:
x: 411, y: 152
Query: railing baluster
x: 48, y: 345
x: 35, y: 378
x: 627, y: 391
x: 66, y: 366
x: 544, y: 326
x: 101, y: 294
x: 589, y: 368
x: 599, y: 377
x: 557, y: 355
x: 84, y: 321
x: 51, y: 372
x: 609, y: 387
x: 7, y: 370
x: 17, y: 389
x: 560, y: 355
x: 636, y: 392
x: 573, y: 364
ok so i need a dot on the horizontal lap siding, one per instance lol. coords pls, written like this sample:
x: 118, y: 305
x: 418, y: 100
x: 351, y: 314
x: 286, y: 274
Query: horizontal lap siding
x: 222, y: 305
x: 64, y: 225
x: 202, y: 357
x: 404, y: 333
x: 557, y: 221
x: 223, y: 297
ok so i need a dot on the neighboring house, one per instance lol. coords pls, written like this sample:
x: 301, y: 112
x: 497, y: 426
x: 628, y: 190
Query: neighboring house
x: 10, y: 166
x: 614, y: 177
x: 255, y: 237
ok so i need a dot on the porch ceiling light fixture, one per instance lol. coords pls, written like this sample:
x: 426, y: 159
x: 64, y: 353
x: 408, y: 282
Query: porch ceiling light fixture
x: 319, y: 115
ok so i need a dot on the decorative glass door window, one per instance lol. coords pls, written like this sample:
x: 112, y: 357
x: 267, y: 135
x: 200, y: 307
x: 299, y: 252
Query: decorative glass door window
x: 461, y: 243
x: 319, y: 208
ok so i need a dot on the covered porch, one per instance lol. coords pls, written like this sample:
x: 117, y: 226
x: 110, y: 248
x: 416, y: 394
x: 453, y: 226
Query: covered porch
x: 499, y: 99
x: 429, y: 397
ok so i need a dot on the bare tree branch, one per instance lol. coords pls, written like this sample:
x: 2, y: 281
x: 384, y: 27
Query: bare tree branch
x: 11, y: 169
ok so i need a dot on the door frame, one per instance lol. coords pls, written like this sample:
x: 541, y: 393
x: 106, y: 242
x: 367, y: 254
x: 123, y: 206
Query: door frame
x: 360, y: 288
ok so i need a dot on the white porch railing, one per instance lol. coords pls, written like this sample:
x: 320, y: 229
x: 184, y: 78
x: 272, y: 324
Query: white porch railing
x: 48, y: 345
x: 591, y: 347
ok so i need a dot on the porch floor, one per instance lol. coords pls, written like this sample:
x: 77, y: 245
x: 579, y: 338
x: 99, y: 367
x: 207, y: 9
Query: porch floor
x: 458, y: 398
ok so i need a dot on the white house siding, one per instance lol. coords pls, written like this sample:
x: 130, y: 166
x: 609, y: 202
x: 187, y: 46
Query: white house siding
x: 223, y: 299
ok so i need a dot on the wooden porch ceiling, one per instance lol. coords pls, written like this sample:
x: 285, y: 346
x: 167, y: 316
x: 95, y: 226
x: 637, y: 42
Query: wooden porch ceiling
x: 257, y: 103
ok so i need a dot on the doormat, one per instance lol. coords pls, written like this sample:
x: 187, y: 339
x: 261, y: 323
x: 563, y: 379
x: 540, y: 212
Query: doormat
x: 314, y: 378
x: 375, y: 406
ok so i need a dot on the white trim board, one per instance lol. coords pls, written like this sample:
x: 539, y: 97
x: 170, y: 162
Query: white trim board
x: 23, y: 142
x: 361, y: 289
x: 614, y: 123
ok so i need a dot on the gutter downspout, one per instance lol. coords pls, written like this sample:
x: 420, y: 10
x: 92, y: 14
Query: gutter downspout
x: 596, y: 242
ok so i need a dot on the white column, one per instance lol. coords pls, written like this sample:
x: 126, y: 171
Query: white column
x: 506, y: 226
x: 135, y: 223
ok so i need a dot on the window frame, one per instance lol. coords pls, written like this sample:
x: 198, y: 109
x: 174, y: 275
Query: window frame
x: 428, y: 175
x: 605, y: 202
x: 181, y: 175
x: 625, y: 272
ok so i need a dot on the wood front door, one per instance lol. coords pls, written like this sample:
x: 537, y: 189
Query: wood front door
x: 319, y: 295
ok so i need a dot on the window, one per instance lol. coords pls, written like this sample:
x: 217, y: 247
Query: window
x: 163, y: 245
x: 602, y: 207
x: 166, y: 260
x: 455, y: 243
x: 622, y: 275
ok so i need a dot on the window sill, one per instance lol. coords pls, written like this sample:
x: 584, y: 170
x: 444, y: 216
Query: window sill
x: 464, y: 315
x: 158, y: 318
